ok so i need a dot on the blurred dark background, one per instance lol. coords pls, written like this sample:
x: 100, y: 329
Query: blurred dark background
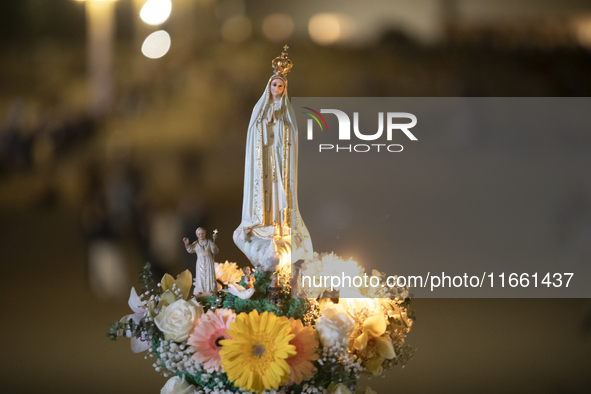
x: 115, y: 144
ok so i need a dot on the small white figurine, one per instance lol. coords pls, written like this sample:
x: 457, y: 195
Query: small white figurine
x: 205, y: 283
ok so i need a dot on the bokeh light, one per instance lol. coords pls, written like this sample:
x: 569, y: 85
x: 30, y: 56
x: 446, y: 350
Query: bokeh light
x: 155, y: 12
x: 278, y: 27
x: 236, y: 29
x: 229, y: 8
x: 330, y: 28
x: 582, y: 28
x: 156, y: 44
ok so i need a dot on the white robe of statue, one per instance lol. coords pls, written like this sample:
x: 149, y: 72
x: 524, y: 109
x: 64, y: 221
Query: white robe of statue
x: 271, y: 224
x: 205, y: 282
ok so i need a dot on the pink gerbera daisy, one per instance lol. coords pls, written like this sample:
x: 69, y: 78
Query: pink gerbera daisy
x: 301, y: 365
x: 205, y: 339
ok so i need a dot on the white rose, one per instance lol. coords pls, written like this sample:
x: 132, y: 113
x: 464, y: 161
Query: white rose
x: 338, y: 389
x: 177, y: 320
x: 176, y: 385
x: 334, y: 325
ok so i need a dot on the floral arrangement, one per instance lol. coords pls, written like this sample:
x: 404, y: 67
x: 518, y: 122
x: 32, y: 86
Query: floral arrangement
x: 252, y: 336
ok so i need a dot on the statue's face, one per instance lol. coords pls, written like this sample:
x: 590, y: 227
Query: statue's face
x: 200, y: 234
x: 277, y: 87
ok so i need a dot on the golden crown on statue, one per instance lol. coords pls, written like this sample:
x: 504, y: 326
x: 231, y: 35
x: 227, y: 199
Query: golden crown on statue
x: 282, y: 64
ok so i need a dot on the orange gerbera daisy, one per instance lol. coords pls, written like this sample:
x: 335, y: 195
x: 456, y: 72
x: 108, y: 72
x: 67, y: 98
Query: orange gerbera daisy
x: 301, y: 366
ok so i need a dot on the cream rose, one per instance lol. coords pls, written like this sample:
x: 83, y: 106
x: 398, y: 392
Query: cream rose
x: 176, y: 385
x: 334, y: 325
x: 177, y: 320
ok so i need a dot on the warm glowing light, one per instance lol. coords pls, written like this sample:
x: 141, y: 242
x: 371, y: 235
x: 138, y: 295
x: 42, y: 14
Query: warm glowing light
x: 329, y: 265
x: 333, y: 265
x: 355, y: 304
x: 278, y: 27
x: 236, y: 29
x: 583, y: 31
x: 156, y: 44
x: 330, y: 28
x: 155, y: 12
x: 284, y: 257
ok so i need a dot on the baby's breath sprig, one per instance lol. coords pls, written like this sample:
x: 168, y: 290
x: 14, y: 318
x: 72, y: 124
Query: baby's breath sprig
x: 147, y: 282
x: 117, y: 329
x: 337, y: 365
x: 145, y: 329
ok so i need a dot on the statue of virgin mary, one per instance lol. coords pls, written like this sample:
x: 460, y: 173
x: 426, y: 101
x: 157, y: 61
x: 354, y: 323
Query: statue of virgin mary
x: 272, y: 231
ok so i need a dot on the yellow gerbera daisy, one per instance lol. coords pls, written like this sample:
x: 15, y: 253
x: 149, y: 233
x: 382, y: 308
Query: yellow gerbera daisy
x: 255, y: 358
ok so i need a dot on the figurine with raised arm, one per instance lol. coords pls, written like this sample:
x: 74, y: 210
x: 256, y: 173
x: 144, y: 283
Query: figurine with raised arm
x: 272, y: 231
x: 205, y: 283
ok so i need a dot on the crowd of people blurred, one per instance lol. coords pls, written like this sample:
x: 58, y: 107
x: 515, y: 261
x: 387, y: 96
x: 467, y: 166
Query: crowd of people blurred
x: 119, y: 210
x: 33, y: 136
x: 121, y: 216
x: 87, y: 201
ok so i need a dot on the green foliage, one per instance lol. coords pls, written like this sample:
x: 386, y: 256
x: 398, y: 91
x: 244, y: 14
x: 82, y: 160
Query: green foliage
x: 115, y: 330
x: 410, y: 312
x: 211, y: 382
x: 289, y: 307
x: 295, y: 307
x: 118, y: 329
x: 208, y: 302
x: 330, y: 372
x: 403, y: 354
x: 146, y: 280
